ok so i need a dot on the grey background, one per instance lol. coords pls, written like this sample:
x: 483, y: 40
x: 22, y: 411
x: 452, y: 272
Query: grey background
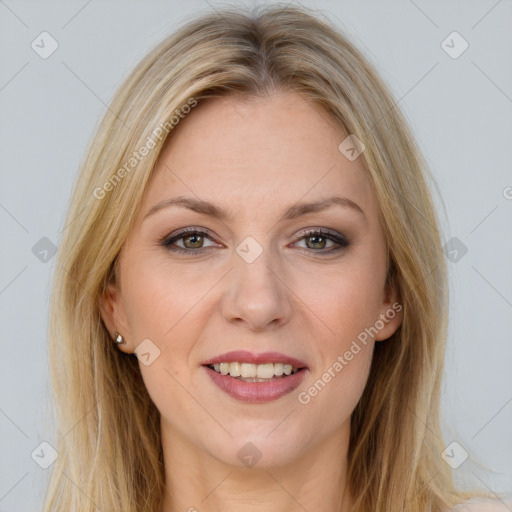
x: 460, y: 111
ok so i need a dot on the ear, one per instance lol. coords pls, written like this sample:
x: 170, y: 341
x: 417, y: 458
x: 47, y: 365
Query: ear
x: 113, y: 315
x: 391, y: 312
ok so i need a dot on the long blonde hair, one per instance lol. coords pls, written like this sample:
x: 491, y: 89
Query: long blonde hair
x: 109, y: 442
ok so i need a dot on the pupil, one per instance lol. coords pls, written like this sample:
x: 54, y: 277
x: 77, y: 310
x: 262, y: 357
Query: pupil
x: 198, y: 238
x: 316, y: 238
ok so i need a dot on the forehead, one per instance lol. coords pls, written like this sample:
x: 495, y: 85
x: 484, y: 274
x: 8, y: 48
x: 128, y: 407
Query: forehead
x: 258, y: 153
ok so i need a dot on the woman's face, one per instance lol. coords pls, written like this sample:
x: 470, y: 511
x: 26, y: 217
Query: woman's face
x: 251, y: 275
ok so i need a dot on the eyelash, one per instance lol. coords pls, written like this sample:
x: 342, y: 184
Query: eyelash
x: 340, y: 240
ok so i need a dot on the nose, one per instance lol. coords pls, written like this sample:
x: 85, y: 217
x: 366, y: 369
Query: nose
x: 257, y: 294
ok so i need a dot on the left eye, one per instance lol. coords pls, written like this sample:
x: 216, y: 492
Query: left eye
x: 316, y: 241
x: 319, y: 238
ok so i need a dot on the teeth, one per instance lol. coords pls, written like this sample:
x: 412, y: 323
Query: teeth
x: 235, y: 369
x: 265, y: 371
x: 255, y: 372
x: 248, y: 370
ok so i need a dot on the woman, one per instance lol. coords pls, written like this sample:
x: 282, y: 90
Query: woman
x: 250, y: 305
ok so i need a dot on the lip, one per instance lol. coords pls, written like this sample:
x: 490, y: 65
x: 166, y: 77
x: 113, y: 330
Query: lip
x: 244, y: 356
x: 256, y: 392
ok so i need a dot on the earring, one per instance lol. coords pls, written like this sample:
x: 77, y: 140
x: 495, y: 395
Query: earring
x: 119, y: 339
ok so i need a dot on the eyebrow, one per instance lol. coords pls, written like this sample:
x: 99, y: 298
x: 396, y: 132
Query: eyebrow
x: 217, y: 212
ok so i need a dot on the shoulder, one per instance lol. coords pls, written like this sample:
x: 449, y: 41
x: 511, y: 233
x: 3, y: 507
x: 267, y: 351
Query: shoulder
x: 484, y: 505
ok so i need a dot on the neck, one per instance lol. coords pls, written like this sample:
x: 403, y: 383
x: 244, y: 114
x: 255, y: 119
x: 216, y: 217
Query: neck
x: 195, y: 481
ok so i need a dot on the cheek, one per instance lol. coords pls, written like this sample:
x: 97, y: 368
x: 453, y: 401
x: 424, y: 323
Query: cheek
x: 169, y: 306
x: 336, y: 384
x: 333, y: 395
x: 161, y: 300
x: 345, y: 301
x: 163, y: 305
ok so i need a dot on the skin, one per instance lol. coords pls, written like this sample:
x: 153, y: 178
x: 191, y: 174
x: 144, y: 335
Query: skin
x: 254, y: 157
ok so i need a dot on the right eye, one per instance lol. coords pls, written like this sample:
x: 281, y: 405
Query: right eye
x: 192, y: 240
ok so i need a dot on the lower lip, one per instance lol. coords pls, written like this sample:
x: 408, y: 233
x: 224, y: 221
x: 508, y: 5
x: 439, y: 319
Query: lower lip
x: 256, y: 391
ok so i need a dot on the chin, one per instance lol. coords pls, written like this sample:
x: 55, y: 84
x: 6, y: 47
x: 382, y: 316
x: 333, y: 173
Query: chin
x: 257, y: 451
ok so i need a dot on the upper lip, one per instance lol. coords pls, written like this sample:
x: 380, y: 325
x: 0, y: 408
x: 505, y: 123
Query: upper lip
x: 244, y: 356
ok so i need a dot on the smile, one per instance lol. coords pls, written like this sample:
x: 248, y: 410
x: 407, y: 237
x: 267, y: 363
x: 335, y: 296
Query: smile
x: 255, y: 378
x: 249, y: 372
